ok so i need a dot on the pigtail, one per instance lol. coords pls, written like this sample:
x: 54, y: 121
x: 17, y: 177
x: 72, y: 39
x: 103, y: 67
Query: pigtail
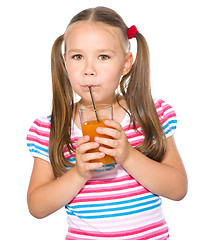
x: 62, y: 108
x: 141, y: 105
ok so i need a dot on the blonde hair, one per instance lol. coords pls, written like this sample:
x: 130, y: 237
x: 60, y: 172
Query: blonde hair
x: 135, y: 87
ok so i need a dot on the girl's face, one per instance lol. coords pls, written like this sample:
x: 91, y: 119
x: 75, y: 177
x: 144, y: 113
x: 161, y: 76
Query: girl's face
x: 96, y: 57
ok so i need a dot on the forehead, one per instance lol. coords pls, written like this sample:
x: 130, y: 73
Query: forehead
x: 90, y: 32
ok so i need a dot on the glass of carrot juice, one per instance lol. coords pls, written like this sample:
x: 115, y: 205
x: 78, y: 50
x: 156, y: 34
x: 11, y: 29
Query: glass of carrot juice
x: 91, y: 119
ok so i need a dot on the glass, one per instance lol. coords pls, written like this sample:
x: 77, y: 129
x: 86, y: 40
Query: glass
x: 89, y: 123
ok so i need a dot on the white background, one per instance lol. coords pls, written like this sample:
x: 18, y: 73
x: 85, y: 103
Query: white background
x: 28, y: 30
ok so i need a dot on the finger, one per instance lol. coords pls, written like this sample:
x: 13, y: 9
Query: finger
x: 93, y: 166
x: 82, y: 140
x: 108, y: 151
x: 87, y: 146
x: 109, y: 132
x: 113, y: 124
x: 93, y: 156
x: 107, y: 141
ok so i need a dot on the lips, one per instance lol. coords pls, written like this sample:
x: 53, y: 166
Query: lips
x: 86, y: 87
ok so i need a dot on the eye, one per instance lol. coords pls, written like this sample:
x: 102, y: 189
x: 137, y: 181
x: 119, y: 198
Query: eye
x: 77, y: 57
x: 103, y: 57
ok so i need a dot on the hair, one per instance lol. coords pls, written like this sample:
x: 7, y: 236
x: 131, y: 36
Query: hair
x: 134, y: 86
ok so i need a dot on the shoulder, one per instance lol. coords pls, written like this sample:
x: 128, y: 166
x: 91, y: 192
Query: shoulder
x: 164, y: 109
x: 38, y: 137
x: 41, y: 124
x: 167, y: 116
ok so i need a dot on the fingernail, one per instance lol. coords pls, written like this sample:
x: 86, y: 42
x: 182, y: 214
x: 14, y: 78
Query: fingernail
x: 87, y: 138
x: 107, y: 122
x: 98, y: 129
x: 96, y: 139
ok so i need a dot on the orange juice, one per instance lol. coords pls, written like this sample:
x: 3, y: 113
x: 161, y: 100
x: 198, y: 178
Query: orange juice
x: 89, y: 128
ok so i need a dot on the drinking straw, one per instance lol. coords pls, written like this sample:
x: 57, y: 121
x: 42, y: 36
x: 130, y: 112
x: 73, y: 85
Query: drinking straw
x: 93, y: 104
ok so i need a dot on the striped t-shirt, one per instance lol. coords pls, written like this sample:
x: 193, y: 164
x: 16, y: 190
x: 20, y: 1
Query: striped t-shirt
x: 112, y: 205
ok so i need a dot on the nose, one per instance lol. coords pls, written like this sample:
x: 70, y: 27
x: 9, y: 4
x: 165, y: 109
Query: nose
x: 89, y: 69
x: 89, y: 73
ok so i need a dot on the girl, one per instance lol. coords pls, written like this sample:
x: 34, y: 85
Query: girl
x: 122, y: 203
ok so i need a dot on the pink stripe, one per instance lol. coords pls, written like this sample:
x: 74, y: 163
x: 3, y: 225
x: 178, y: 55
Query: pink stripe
x: 166, y: 107
x: 136, y: 142
x: 160, y: 113
x: 146, y: 237
x: 169, y: 115
x: 73, y: 238
x: 111, y: 197
x: 68, y: 155
x: 42, y: 124
x: 39, y: 132
x: 133, y: 135
x: 110, y: 188
x: 130, y: 127
x: 75, y: 139
x: 110, y: 180
x: 160, y: 102
x: 124, y: 233
x: 157, y: 104
x: 154, y: 234
x: 37, y: 140
x: 162, y: 107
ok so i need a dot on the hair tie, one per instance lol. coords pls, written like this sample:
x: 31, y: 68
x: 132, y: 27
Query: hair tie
x: 132, y: 31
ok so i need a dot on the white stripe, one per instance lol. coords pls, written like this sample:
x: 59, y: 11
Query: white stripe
x: 112, y: 200
x: 36, y: 135
x: 42, y: 128
x: 122, y: 223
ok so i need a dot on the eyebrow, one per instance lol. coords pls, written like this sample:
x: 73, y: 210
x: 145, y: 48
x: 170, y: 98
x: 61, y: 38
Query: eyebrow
x: 98, y: 50
x: 106, y: 50
x: 75, y: 50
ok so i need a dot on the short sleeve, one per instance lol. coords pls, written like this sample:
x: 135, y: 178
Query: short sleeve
x: 167, y: 117
x: 38, y: 138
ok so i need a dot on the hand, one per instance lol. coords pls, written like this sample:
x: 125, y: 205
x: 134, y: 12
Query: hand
x: 120, y: 146
x: 83, y: 166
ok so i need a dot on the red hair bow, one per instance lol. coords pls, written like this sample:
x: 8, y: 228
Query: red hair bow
x: 132, y: 31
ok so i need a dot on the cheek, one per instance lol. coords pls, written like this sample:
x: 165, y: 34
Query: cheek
x: 117, y: 68
x: 114, y: 76
x: 73, y: 73
x: 73, y: 78
x: 111, y: 81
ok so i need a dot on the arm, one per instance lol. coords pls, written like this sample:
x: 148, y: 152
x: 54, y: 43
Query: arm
x: 46, y: 194
x: 167, y: 178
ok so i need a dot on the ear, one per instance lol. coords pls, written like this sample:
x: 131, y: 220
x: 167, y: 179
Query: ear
x: 64, y: 58
x: 127, y: 63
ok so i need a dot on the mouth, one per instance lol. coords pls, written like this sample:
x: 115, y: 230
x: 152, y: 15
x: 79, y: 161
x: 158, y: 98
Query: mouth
x: 86, y: 87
